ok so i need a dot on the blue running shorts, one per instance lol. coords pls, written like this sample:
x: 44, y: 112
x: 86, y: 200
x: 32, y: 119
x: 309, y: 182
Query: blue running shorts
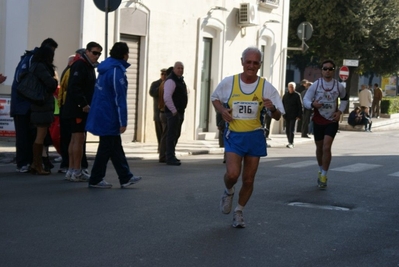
x: 246, y: 143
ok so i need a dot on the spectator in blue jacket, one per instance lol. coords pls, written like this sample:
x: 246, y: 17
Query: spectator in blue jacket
x: 20, y: 110
x: 108, y: 118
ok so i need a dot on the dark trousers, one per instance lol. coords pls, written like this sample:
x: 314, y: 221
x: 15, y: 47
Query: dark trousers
x: 173, y: 134
x: 158, y: 130
x: 24, y: 138
x: 162, y: 144
x: 110, y: 147
x: 305, y: 122
x: 65, y: 133
x: 290, y: 130
x: 268, y: 122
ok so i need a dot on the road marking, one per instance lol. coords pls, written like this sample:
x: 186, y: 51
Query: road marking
x: 394, y: 174
x: 358, y: 167
x: 300, y: 164
x: 317, y: 206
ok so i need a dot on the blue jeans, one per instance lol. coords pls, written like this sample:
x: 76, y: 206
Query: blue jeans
x: 110, y: 147
x: 173, y: 133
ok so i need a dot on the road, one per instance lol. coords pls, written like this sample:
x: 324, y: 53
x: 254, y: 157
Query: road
x: 171, y: 217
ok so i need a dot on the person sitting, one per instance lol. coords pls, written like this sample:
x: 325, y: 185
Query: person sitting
x: 359, y: 117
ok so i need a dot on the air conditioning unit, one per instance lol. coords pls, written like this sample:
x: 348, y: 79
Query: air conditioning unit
x: 247, y: 15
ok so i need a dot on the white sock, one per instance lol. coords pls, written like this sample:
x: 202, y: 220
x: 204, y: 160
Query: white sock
x: 323, y: 172
x: 239, y: 207
x: 320, y: 168
x: 230, y: 191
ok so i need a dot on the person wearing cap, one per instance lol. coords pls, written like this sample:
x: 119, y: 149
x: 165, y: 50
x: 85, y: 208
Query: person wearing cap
x: 154, y: 92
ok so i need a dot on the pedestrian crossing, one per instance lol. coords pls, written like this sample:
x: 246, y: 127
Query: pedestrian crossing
x: 357, y: 167
x: 350, y: 168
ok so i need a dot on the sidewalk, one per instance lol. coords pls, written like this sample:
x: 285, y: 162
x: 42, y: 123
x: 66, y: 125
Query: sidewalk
x: 149, y: 150
x: 195, y: 147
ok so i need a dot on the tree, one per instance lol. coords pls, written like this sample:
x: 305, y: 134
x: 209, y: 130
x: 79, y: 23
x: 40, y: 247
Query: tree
x: 363, y: 29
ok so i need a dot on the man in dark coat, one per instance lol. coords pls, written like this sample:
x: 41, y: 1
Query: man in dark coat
x: 293, y: 111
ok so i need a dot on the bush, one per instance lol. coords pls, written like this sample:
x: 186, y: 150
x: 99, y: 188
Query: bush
x: 390, y: 105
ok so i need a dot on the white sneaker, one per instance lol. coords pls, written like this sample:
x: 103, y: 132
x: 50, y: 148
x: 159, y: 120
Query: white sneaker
x: 133, y: 180
x: 23, y: 169
x: 86, y: 172
x: 226, y: 202
x: 68, y: 176
x: 103, y: 184
x: 80, y: 177
x: 238, y: 219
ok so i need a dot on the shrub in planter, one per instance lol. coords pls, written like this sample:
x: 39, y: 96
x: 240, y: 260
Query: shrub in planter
x: 390, y: 105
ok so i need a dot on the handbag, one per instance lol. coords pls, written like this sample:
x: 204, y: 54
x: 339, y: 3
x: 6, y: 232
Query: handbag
x: 31, y: 88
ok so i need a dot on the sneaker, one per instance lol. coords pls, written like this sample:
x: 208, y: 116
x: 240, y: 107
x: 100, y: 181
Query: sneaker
x: 322, y: 182
x: 58, y: 159
x: 226, y: 202
x: 238, y: 219
x: 290, y: 146
x: 23, y: 169
x: 80, y: 177
x: 103, y: 184
x: 86, y: 172
x: 63, y: 170
x: 68, y: 176
x: 133, y: 180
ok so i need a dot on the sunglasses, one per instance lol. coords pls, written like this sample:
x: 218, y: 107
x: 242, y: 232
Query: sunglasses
x: 326, y: 69
x: 96, y: 53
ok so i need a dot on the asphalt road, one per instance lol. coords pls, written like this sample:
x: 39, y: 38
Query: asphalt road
x: 171, y: 218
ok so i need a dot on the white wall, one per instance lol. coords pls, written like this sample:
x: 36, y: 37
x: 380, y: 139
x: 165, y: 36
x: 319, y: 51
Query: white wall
x: 174, y: 34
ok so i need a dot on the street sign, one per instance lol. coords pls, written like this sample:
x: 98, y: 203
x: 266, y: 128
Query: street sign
x: 304, y: 31
x: 344, y: 73
x: 351, y: 62
x: 107, y: 5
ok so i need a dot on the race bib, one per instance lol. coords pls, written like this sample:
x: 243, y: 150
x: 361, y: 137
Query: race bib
x: 245, y: 110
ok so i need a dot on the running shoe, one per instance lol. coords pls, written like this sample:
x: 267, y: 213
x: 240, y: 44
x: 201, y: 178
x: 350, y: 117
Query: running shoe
x: 322, y: 182
x: 226, y: 202
x: 133, y: 180
x: 238, y: 219
x: 103, y: 184
x: 23, y: 169
x: 80, y: 177
x: 68, y: 175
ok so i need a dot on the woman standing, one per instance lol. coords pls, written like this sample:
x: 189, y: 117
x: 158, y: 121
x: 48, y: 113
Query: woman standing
x: 42, y: 115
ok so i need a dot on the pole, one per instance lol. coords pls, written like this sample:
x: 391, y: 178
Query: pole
x: 106, y: 29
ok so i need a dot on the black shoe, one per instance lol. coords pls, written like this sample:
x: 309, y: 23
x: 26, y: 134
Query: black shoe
x: 162, y: 161
x: 173, y: 162
x: 306, y: 136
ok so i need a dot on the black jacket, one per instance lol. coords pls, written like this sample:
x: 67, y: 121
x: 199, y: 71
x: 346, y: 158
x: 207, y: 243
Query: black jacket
x: 292, y: 105
x: 44, y: 114
x: 82, y: 79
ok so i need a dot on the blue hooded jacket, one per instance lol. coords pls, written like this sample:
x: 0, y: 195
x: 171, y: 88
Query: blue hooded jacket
x: 108, y: 110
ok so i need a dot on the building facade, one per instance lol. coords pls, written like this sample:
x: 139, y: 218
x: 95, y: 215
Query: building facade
x: 208, y: 36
